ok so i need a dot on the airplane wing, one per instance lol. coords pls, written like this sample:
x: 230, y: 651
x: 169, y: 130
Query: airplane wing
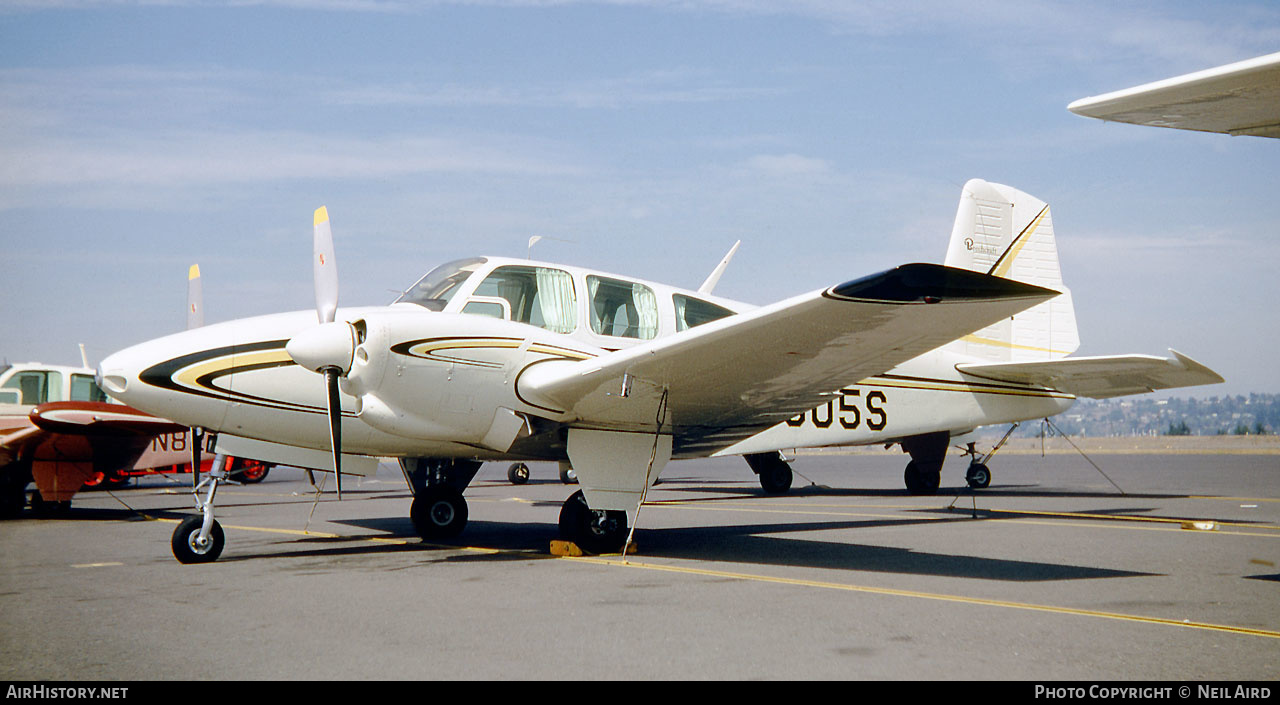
x: 15, y: 439
x: 85, y: 418
x: 723, y: 381
x: 1102, y: 377
x: 1237, y: 99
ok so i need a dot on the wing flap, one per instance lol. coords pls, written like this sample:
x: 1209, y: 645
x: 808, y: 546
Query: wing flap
x: 1102, y: 377
x: 725, y: 380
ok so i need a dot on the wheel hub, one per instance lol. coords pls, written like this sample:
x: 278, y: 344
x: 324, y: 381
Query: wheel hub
x: 442, y: 513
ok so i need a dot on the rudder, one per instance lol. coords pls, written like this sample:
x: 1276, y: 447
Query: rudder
x: 1002, y: 231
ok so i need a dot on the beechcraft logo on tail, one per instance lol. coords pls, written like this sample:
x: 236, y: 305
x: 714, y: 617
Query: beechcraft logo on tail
x: 970, y: 245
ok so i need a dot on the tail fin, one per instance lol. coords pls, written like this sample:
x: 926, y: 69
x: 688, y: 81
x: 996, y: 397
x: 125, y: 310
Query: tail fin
x: 1002, y: 231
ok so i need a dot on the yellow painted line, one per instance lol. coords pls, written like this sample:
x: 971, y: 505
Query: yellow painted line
x: 847, y: 587
x: 1130, y: 518
x: 1237, y: 499
x: 1163, y: 522
x: 95, y: 565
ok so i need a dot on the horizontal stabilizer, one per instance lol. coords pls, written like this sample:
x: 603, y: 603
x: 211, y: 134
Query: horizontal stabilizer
x: 1101, y: 377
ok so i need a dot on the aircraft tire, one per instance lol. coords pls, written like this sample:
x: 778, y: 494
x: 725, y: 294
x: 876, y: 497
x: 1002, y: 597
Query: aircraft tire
x: 568, y: 476
x: 43, y: 509
x: 594, y: 531
x: 438, y: 512
x: 978, y: 476
x: 14, y: 479
x: 252, y: 473
x: 518, y: 473
x: 184, y: 545
x: 921, y: 481
x: 775, y: 478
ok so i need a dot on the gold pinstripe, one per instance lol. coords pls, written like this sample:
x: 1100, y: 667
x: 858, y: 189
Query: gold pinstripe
x: 1002, y: 269
x: 942, y: 386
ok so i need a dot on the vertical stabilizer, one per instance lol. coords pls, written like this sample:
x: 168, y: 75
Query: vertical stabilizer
x: 1002, y: 231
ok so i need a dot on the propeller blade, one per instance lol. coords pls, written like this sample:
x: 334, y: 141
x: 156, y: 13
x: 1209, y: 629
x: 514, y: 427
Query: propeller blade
x: 324, y: 267
x: 195, y: 298
x: 335, y: 424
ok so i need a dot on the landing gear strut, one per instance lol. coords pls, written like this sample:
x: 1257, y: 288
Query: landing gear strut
x: 979, y: 476
x: 199, y: 539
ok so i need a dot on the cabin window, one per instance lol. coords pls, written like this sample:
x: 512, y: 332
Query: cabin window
x: 484, y: 306
x: 434, y: 290
x: 623, y: 309
x: 538, y: 296
x: 36, y: 387
x: 692, y: 312
x: 83, y: 388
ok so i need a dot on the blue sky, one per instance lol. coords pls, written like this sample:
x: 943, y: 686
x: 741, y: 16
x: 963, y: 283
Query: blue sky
x: 639, y: 136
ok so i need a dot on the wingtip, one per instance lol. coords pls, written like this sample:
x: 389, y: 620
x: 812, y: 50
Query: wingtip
x: 322, y: 215
x: 193, y: 272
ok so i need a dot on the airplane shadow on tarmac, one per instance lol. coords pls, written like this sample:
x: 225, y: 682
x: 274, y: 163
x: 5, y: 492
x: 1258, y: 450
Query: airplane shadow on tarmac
x: 757, y: 544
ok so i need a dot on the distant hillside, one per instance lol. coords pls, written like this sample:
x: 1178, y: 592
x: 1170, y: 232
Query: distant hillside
x: 1256, y: 414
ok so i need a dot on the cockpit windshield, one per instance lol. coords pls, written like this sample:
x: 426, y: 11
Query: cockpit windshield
x: 434, y: 290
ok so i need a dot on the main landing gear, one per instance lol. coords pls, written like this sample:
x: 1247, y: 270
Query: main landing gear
x: 927, y: 454
x: 593, y: 530
x: 924, y: 473
x: 774, y: 472
x: 439, y: 510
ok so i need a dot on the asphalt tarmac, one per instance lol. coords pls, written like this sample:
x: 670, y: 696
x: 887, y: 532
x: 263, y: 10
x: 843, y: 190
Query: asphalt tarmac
x: 1169, y: 571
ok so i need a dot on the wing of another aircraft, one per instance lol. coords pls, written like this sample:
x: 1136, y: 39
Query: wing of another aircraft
x: 66, y: 441
x: 1104, y: 376
x: 727, y: 379
x: 1236, y: 99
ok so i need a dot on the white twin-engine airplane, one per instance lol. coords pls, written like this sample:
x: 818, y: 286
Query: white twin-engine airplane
x: 494, y: 358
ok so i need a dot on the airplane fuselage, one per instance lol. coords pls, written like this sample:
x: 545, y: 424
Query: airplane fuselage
x: 437, y: 391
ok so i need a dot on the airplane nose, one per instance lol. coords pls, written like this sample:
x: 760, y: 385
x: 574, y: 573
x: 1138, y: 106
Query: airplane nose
x: 326, y: 346
x: 112, y: 376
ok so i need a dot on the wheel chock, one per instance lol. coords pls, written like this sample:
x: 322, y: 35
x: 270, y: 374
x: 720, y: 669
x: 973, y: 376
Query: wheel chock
x: 569, y: 549
x: 566, y: 549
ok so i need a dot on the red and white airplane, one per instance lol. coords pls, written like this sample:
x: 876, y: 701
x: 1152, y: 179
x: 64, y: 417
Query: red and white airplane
x: 58, y: 429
